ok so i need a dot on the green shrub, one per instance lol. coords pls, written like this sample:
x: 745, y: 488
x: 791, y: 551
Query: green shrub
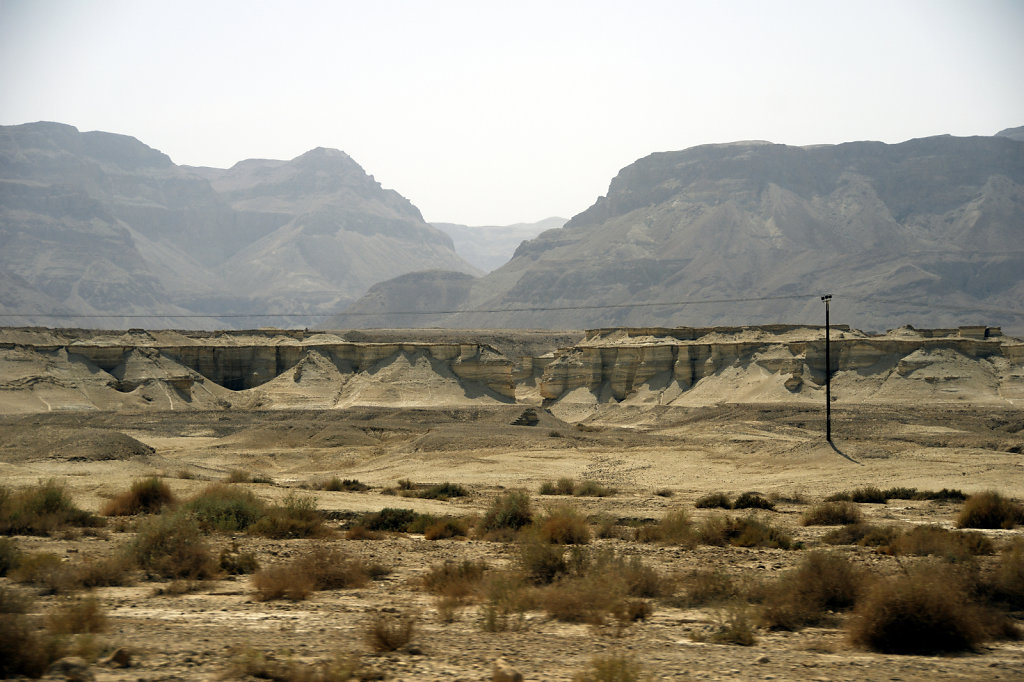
x: 225, y: 508
x: 832, y: 514
x: 148, y: 496
x: 752, y: 500
x: 713, y: 501
x: 172, y: 546
x: 297, y: 517
x: 41, y: 510
x: 511, y: 510
x: 989, y: 509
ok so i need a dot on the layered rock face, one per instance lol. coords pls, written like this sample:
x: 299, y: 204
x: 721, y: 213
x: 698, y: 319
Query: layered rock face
x: 100, y: 224
x: 684, y: 367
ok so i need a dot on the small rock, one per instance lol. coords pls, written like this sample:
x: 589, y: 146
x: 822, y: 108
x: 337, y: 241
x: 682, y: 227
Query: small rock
x: 120, y: 658
x: 503, y: 672
x: 763, y: 659
x: 71, y: 668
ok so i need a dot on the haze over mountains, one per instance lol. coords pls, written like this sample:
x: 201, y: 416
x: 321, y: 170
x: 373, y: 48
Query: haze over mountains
x: 98, y: 223
x: 928, y: 232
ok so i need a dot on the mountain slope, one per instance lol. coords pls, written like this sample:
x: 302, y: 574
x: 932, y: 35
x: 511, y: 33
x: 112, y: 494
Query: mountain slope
x: 929, y: 231
x: 490, y: 247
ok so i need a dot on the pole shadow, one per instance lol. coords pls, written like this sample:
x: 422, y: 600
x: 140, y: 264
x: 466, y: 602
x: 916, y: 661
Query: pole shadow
x: 843, y: 454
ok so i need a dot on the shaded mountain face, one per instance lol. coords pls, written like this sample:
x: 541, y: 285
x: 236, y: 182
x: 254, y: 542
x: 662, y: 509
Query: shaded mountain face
x: 96, y: 223
x: 928, y: 232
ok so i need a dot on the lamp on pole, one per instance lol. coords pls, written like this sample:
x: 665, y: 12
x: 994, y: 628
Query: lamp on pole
x: 828, y: 374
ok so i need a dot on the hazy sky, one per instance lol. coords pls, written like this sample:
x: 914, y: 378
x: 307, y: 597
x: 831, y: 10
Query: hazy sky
x: 500, y: 112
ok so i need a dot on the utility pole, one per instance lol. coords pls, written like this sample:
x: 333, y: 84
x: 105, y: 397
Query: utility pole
x: 828, y: 374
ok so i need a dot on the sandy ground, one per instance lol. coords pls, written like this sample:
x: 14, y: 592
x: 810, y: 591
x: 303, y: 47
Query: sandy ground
x: 689, y: 451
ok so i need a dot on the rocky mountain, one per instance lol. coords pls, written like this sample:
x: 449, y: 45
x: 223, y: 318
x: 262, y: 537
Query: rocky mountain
x: 928, y: 232
x: 100, y: 224
x: 490, y: 247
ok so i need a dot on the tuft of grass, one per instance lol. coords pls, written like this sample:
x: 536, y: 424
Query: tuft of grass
x: 541, y: 561
x: 989, y: 509
x: 674, y: 528
x: 593, y: 489
x: 612, y: 668
x: 742, y: 532
x: 233, y: 561
x: 863, y: 534
x: 925, y: 611
x: 336, y: 484
x: 832, y: 513
x: 242, y: 476
x: 511, y: 510
x: 172, y: 546
x: 225, y: 508
x: 937, y: 541
x: 296, y: 517
x: 710, y: 586
x: 733, y: 625
x: 752, y: 500
x: 319, y: 569
x: 455, y: 579
x: 448, y: 527
x: 506, y: 598
x: 78, y: 616
x: 389, y: 519
x: 441, y: 491
x: 716, y: 500
x: 41, y: 510
x: 389, y: 631
x: 664, y: 492
x: 867, y: 494
x: 563, y: 525
x: 1005, y: 585
x: 822, y: 583
x: 148, y: 496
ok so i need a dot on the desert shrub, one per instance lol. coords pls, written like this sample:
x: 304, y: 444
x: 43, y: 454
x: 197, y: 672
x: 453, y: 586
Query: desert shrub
x: 455, y: 579
x: 945, y: 494
x: 791, y: 498
x: 821, y: 583
x: 713, y: 501
x: 541, y: 561
x: 389, y: 631
x: 442, y: 491
x: 674, y: 528
x: 242, y: 476
x: 632, y: 576
x: 582, y: 599
x: 547, y: 488
x: 40, y: 510
x: 47, y: 571
x: 283, y: 581
x: 709, y: 586
x: 148, y: 496
x: 78, y: 616
x: 989, y: 509
x: 612, y: 668
x: 248, y: 663
x: 233, y: 561
x: 1005, y: 585
x: 103, y: 572
x: 10, y: 555
x: 863, y: 534
x: 363, y: 533
x: 939, y: 542
x: 506, y: 598
x: 336, y: 484
x: 925, y: 611
x: 224, y: 508
x: 448, y: 527
x: 319, y: 569
x: 742, y: 532
x: 833, y: 513
x: 600, y: 585
x: 389, y: 519
x: 172, y: 546
x: 25, y: 650
x: 664, y: 492
x: 900, y: 493
x: 296, y: 517
x: 592, y: 489
x: 751, y: 500
x: 511, y: 510
x: 565, y: 486
x: 563, y: 525
x: 868, y: 494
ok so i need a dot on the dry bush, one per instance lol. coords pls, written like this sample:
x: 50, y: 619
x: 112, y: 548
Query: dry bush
x: 297, y: 517
x: 283, y: 581
x: 506, y: 598
x: 804, y: 596
x: 336, y: 484
x: 455, y: 579
x: 1005, y: 585
x: 79, y: 616
x: 752, y: 500
x: 10, y: 555
x: 318, y: 569
x: 233, y: 561
x: 868, y: 494
x: 791, y: 498
x: 563, y: 525
x: 25, y: 650
x: 832, y: 513
x: 511, y: 510
x: 389, y: 519
x: 989, y: 509
x: 939, y: 542
x: 363, y: 533
x: 581, y: 599
x: 448, y: 527
x: 601, y: 585
x: 710, y: 586
x: 592, y: 489
x: 224, y: 508
x: 250, y: 663
x: 172, y: 546
x: 541, y: 561
x: 744, y: 531
x: 242, y: 476
x: 674, y: 528
x: 612, y: 668
x: 716, y: 500
x: 148, y: 496
x: 441, y: 491
x: 664, y: 492
x: 863, y: 534
x: 733, y: 625
x: 109, y: 571
x: 389, y: 631
x: 47, y: 571
x: 41, y: 510
x: 925, y: 611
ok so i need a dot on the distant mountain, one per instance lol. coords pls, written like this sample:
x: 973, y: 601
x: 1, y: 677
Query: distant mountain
x: 928, y: 232
x: 98, y: 223
x: 490, y: 247
x: 1013, y: 133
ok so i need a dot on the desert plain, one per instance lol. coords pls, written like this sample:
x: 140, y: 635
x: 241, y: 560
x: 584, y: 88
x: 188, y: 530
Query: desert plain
x: 652, y: 450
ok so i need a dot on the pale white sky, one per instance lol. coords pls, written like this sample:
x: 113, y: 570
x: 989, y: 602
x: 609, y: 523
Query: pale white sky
x: 500, y: 112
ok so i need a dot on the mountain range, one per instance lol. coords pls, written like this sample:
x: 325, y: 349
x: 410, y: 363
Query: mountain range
x: 928, y: 232
x: 96, y: 223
